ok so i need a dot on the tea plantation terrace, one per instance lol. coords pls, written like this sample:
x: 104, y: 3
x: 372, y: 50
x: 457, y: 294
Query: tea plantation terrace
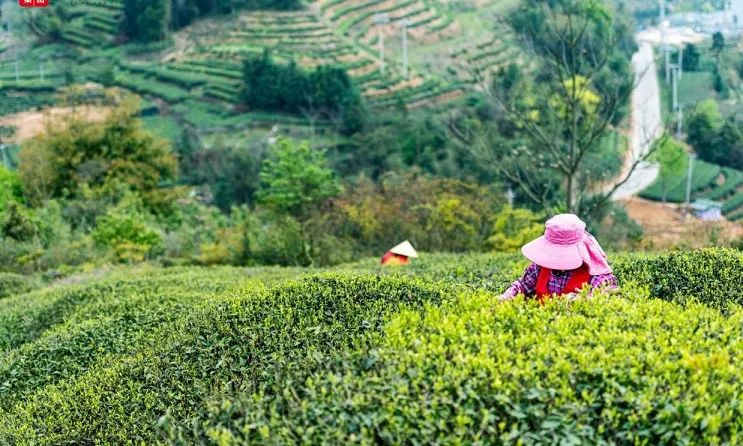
x: 709, y: 181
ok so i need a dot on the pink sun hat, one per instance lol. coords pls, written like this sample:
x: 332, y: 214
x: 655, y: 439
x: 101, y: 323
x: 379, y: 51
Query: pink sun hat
x: 567, y: 245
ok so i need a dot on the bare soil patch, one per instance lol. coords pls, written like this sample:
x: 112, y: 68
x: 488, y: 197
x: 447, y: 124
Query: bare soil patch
x: 666, y: 226
x: 30, y: 123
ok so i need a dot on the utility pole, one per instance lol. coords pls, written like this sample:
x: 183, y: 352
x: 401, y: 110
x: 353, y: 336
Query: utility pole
x: 381, y: 19
x: 510, y: 196
x: 6, y: 161
x: 680, y: 121
x: 405, y: 23
x: 667, y: 63
x: 692, y: 156
x: 675, y: 79
x: 681, y: 61
x: 663, y: 47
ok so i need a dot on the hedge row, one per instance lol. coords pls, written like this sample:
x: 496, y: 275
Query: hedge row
x: 202, y: 356
x: 733, y: 181
x: 367, y: 14
x: 234, y: 72
x: 704, y: 175
x: 143, y: 85
x: 181, y: 79
x: 355, y: 7
x: 24, y: 319
x: 733, y: 203
x: 711, y: 276
x: 472, y: 371
x: 238, y: 342
x: 15, y: 284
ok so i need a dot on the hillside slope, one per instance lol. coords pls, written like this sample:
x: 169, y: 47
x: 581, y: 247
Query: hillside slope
x: 197, y: 74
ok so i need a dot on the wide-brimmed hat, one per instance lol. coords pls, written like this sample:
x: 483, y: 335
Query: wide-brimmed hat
x: 404, y: 249
x: 567, y: 245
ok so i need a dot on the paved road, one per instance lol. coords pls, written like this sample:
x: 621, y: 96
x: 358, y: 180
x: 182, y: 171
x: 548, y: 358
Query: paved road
x: 646, y: 123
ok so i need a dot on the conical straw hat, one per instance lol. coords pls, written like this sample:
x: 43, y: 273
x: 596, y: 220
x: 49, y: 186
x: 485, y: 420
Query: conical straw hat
x: 404, y: 249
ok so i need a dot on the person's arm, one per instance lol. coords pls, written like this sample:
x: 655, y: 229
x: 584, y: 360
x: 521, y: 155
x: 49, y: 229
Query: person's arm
x: 605, y: 281
x: 526, y: 285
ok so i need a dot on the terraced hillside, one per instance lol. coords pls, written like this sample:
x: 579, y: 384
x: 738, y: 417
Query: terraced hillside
x: 423, y: 18
x: 197, y: 76
x: 709, y: 181
x: 91, y: 24
x: 29, y: 75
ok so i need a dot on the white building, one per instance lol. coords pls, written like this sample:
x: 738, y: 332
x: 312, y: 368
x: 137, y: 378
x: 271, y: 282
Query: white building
x: 735, y: 7
x: 727, y: 21
x: 707, y: 210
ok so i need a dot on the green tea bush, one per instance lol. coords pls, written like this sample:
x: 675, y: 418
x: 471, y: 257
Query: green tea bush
x: 711, y: 276
x: 704, y: 176
x: 733, y: 203
x: 480, y: 271
x: 602, y: 371
x: 733, y: 180
x: 419, y: 354
x: 116, y: 324
x: 240, y: 342
x: 11, y: 284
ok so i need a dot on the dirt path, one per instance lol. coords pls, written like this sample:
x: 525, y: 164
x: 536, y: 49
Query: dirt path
x: 30, y: 123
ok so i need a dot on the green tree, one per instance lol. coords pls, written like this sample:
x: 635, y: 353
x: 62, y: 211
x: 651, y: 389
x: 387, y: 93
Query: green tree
x: 718, y: 42
x: 691, y: 57
x: 183, y: 13
x: 17, y: 222
x: 672, y: 159
x: 719, y: 84
x: 229, y: 173
x: 295, y: 179
x: 561, y: 112
x: 145, y: 20
x: 106, y: 157
x: 512, y: 228
x: 327, y: 92
x: 730, y: 144
x: 702, y: 127
x: 129, y: 230
x: 10, y: 188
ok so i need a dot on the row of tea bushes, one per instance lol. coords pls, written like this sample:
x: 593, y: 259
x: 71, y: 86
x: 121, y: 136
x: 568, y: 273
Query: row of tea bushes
x: 233, y: 355
x: 603, y: 371
x: 16, y: 284
x: 711, y: 276
x: 234, y: 343
x: 101, y: 324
